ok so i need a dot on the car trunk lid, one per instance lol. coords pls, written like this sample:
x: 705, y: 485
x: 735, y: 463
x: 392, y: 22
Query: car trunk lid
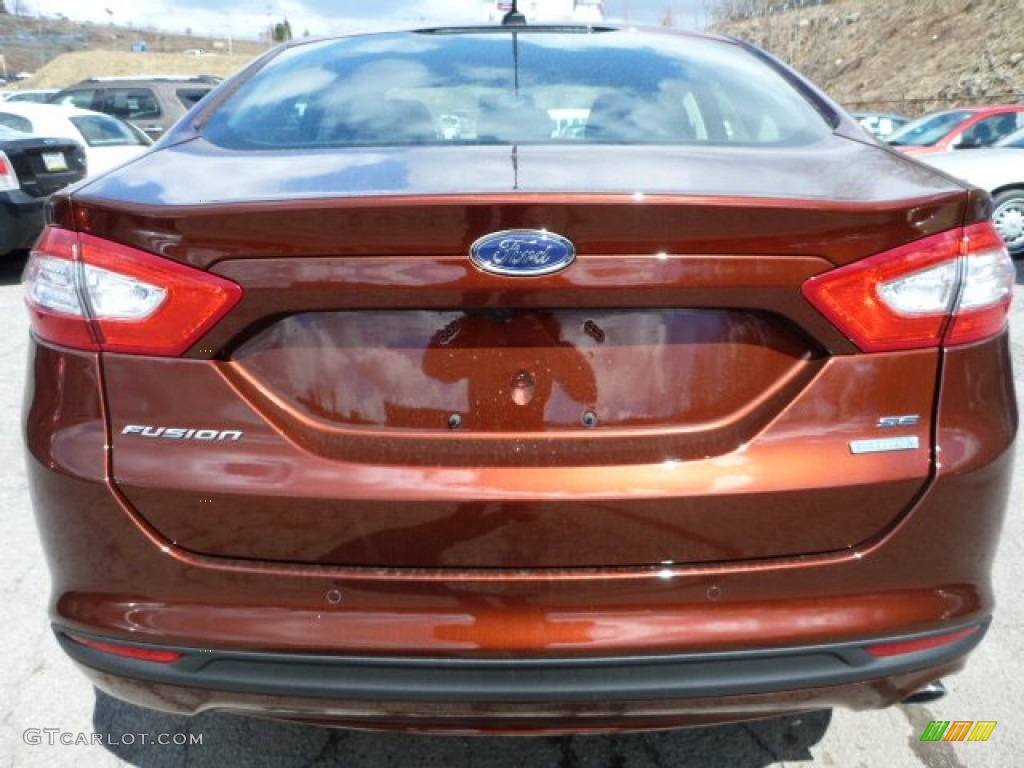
x: 376, y: 400
x: 44, y: 165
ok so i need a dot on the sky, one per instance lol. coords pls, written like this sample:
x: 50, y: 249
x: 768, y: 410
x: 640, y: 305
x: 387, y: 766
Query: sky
x: 251, y: 18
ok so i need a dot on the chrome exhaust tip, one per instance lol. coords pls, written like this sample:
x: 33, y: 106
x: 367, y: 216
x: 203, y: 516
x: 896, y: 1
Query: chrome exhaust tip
x: 934, y: 691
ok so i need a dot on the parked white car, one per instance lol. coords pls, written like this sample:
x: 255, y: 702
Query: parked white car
x: 37, y: 95
x: 1000, y: 170
x: 108, y: 141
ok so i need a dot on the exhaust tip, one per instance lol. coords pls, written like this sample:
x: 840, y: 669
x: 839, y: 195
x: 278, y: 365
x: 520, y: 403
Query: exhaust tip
x: 934, y: 691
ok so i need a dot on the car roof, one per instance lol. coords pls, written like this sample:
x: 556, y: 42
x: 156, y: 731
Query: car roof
x: 196, y: 79
x: 52, y: 119
x: 41, y: 111
x: 498, y: 29
x: 16, y: 91
x: 983, y: 108
x: 869, y: 113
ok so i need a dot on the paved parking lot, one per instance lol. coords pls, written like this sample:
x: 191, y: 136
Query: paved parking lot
x: 53, y: 717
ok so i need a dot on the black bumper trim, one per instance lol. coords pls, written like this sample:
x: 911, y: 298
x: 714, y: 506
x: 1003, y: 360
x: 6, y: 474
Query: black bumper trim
x: 521, y: 680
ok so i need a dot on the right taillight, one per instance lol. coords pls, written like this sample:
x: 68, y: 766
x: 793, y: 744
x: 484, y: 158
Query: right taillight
x: 950, y: 288
x: 8, y: 177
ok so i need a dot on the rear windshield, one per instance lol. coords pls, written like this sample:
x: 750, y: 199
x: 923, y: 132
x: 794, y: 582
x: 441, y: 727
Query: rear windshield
x: 502, y: 88
x: 15, y: 122
x: 105, y: 131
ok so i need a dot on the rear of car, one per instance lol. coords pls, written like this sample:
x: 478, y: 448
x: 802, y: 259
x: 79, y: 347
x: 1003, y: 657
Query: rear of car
x: 380, y: 419
x: 31, y: 169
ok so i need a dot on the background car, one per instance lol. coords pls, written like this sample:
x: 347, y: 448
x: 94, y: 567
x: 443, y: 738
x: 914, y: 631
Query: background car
x: 31, y: 169
x: 881, y: 124
x: 963, y: 128
x: 108, y: 141
x: 154, y: 104
x: 39, y: 95
x: 637, y: 425
x: 1000, y: 170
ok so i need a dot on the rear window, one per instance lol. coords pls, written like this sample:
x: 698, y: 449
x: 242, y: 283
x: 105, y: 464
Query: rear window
x: 928, y: 130
x: 10, y: 134
x: 189, y: 97
x: 105, y: 131
x: 84, y: 98
x: 15, y: 122
x: 132, y: 103
x: 501, y: 88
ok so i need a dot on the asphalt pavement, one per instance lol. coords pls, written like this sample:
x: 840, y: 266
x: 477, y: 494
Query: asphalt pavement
x: 53, y: 717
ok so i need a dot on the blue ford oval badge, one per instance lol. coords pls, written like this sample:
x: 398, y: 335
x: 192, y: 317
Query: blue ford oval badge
x: 522, y: 252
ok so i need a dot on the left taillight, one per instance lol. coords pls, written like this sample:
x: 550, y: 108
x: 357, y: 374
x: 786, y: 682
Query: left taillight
x: 88, y: 293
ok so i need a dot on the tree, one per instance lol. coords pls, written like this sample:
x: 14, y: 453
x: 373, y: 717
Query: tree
x: 282, y: 31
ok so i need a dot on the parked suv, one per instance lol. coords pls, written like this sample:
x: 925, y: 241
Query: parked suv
x: 152, y: 103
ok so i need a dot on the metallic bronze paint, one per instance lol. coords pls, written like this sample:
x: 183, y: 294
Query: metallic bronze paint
x: 889, y: 584
x: 737, y: 519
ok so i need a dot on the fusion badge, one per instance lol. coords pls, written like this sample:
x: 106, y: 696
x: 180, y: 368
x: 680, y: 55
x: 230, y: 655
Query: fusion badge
x: 522, y: 252
x: 182, y: 433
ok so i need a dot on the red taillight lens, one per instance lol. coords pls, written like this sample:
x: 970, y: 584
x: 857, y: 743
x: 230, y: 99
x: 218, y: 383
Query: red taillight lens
x: 90, y: 293
x: 953, y: 288
x: 920, y: 644
x: 8, y: 176
x: 987, y: 290
x: 129, y: 651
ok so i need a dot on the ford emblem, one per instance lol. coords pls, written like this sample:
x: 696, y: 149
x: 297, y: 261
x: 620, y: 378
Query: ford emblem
x: 522, y: 252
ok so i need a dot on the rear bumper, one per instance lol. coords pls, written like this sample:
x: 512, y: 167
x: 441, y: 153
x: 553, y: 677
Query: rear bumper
x: 525, y: 680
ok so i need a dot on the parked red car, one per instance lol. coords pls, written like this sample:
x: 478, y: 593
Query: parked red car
x: 698, y: 413
x: 963, y: 128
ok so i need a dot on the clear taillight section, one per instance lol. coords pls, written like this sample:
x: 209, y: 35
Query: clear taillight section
x: 89, y: 293
x: 950, y: 288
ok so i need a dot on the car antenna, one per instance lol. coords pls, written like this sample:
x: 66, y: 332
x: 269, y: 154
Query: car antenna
x: 514, y: 18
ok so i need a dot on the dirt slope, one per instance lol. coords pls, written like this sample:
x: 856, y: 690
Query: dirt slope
x: 71, y: 67
x: 61, y: 52
x: 898, y: 55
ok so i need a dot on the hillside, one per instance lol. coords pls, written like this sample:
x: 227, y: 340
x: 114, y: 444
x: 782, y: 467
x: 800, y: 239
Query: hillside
x: 62, y: 52
x: 71, y: 67
x: 899, y: 56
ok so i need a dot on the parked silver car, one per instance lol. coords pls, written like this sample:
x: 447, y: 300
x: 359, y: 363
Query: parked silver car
x: 1000, y: 170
